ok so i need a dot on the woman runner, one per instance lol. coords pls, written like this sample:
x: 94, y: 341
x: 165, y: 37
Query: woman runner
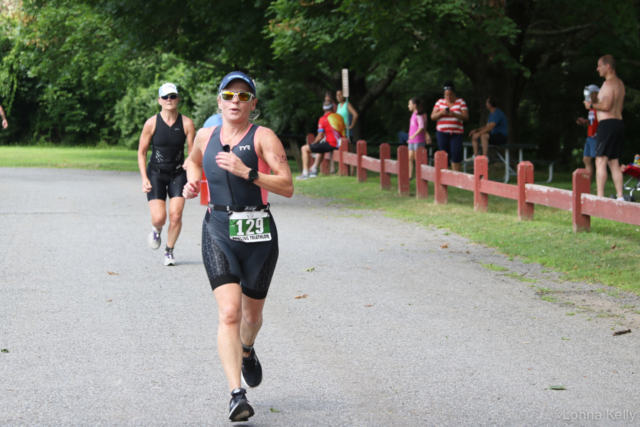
x: 165, y: 175
x: 239, y: 235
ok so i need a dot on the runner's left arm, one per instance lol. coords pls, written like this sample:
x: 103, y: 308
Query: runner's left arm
x: 190, y: 130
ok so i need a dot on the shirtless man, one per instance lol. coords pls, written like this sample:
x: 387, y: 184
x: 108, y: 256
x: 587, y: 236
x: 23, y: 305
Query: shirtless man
x: 610, y: 137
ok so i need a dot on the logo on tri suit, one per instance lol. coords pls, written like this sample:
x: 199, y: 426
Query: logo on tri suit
x: 245, y: 147
x: 250, y: 208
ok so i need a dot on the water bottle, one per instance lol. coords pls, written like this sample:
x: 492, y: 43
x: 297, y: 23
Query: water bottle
x: 587, y: 94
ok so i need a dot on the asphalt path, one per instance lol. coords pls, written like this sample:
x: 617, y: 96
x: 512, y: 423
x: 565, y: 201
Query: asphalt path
x: 370, y: 321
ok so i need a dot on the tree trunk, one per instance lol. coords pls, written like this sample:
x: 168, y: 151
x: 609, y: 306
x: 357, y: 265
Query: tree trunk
x: 504, y: 85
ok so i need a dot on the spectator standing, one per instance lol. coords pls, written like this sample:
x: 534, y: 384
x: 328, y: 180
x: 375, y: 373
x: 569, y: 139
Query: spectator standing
x: 450, y: 113
x: 331, y: 128
x: 495, y: 132
x: 345, y: 109
x: 589, y: 152
x: 418, y: 136
x: 610, y: 137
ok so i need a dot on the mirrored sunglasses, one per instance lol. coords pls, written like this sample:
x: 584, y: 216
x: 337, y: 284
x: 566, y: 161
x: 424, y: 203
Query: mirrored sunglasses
x: 227, y: 95
x: 172, y: 96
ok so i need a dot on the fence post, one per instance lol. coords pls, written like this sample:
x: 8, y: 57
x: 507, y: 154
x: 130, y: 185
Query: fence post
x: 480, y: 172
x: 441, y: 192
x: 343, y: 169
x: 361, y: 149
x: 204, y: 191
x: 403, y: 170
x: 422, y: 187
x: 385, y: 178
x: 525, y: 176
x: 581, y: 184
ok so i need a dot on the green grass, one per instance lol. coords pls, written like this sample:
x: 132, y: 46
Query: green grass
x: 120, y: 159
x: 494, y: 267
x: 548, y: 239
x: 521, y: 278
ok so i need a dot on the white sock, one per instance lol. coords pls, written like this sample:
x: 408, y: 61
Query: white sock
x: 156, y: 230
x: 314, y: 168
x: 305, y: 172
x: 620, y: 198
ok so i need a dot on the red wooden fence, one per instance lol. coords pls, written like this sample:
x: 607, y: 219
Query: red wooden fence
x: 580, y: 202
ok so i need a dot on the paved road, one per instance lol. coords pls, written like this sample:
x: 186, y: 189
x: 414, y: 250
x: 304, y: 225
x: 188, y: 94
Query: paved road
x: 395, y: 329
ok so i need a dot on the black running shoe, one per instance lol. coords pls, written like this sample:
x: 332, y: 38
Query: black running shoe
x: 251, y: 370
x: 239, y: 408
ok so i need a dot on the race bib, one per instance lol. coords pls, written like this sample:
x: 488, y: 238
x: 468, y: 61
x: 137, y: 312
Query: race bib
x: 250, y: 227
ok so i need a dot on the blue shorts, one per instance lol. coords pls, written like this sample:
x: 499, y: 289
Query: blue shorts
x: 413, y: 146
x: 452, y: 144
x: 589, y: 147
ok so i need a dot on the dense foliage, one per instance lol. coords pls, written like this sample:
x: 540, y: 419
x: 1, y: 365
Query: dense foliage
x: 86, y: 71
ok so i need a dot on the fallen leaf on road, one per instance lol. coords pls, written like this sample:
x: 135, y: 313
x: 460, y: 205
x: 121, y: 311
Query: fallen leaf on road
x: 5, y: 350
x: 274, y: 410
x: 526, y: 342
x: 557, y: 387
x: 109, y: 300
x: 302, y: 296
x: 309, y: 269
x: 112, y: 273
x: 381, y: 250
x: 370, y: 305
x: 625, y: 331
x: 468, y: 252
x: 445, y: 246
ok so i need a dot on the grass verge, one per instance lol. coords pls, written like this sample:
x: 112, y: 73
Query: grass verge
x: 609, y: 254
x: 120, y: 159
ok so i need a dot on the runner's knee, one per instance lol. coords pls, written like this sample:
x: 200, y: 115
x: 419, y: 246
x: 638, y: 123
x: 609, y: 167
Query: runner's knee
x: 158, y: 218
x: 175, y: 217
x: 252, y: 318
x: 230, y: 314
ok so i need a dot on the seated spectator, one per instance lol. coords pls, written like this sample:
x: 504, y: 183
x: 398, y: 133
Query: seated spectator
x: 331, y: 128
x: 589, y: 151
x: 215, y: 120
x: 493, y: 133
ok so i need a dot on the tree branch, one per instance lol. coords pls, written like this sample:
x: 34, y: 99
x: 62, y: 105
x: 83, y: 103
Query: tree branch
x: 377, y: 90
x: 553, y: 33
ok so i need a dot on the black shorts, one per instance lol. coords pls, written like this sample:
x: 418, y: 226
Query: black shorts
x: 165, y: 182
x: 497, y: 139
x: 228, y: 261
x: 610, y: 138
x: 322, y: 147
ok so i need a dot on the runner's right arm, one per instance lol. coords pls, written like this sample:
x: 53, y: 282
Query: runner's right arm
x: 143, y: 147
x: 194, y: 164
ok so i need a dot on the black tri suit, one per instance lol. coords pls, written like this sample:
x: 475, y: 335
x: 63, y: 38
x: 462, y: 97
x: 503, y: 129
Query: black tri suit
x: 165, y: 171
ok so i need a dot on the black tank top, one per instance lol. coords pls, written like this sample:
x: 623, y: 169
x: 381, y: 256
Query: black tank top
x: 168, y: 144
x: 225, y: 188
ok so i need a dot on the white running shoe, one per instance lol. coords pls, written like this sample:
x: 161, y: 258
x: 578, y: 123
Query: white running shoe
x: 302, y: 177
x: 154, y: 239
x: 313, y: 173
x: 168, y: 259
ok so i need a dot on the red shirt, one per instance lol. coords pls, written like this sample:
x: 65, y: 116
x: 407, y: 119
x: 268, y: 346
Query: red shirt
x: 332, y: 125
x: 592, y: 129
x: 451, y: 124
